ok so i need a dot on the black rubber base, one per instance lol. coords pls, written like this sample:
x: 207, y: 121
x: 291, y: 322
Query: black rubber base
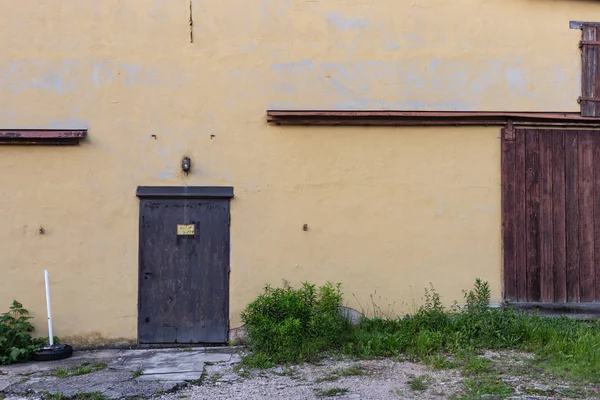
x: 52, y: 353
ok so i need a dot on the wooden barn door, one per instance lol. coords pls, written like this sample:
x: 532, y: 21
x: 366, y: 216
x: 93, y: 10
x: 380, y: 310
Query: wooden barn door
x: 551, y: 215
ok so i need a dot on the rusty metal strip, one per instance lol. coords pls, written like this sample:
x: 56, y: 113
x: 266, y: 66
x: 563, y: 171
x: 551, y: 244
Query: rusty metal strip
x: 42, y: 133
x: 581, y: 24
x: 41, y: 136
x: 425, y: 118
x: 425, y: 114
x: 589, y: 43
x: 509, y: 131
x: 593, y: 99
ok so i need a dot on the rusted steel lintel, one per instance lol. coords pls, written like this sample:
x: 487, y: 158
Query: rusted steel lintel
x: 379, y: 122
x: 425, y: 114
x: 581, y: 24
x: 45, y: 134
x: 425, y: 118
x: 430, y: 123
x: 37, y: 142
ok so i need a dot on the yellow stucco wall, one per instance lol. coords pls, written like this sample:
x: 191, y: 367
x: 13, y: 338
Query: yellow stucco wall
x: 389, y: 209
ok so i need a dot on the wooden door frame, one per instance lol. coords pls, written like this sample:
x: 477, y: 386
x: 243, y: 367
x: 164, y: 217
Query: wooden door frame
x: 177, y: 193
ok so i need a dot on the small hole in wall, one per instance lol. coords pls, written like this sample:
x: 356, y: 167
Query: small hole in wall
x: 42, y: 230
x: 305, y: 227
x: 153, y: 137
x: 212, y: 137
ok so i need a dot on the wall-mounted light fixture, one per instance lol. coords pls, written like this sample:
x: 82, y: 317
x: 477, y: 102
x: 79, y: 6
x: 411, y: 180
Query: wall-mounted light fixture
x: 186, y: 164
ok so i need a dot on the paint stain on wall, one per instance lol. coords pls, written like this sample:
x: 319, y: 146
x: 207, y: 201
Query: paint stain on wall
x: 337, y: 21
x: 435, y: 84
x: 70, y: 75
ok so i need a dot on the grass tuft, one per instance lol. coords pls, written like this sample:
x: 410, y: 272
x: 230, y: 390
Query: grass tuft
x: 354, y: 370
x: 82, y: 369
x: 78, y: 396
x: 421, y: 382
x: 331, y: 376
x: 331, y: 392
x: 137, y: 373
x: 486, y: 386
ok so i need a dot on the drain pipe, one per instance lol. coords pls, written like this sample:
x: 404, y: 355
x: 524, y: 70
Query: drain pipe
x: 51, y: 351
x: 50, y: 333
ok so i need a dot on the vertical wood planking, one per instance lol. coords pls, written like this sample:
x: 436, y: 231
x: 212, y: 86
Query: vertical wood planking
x: 520, y: 216
x: 572, y: 215
x: 587, y: 279
x: 184, y: 279
x: 558, y: 212
x: 508, y: 218
x: 532, y: 178
x: 589, y: 62
x: 596, y: 144
x: 546, y: 218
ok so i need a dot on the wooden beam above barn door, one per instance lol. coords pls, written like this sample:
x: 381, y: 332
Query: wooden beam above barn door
x: 428, y: 118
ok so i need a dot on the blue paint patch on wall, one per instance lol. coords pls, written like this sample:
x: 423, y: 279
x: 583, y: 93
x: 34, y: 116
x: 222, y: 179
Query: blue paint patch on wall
x: 266, y: 7
x: 36, y: 74
x: 72, y: 74
x: 248, y: 48
x: 103, y: 71
x: 348, y: 78
x: 293, y: 66
x: 74, y: 123
x: 517, y: 82
x: 413, y: 39
x: 482, y: 81
x: 437, y: 84
x: 337, y: 21
x: 130, y: 73
x: 59, y: 79
x: 165, y: 175
x: 10, y: 119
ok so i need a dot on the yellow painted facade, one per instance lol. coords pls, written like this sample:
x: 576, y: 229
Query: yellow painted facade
x: 388, y: 210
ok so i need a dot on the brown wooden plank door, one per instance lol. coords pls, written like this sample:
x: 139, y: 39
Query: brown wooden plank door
x: 551, y: 215
x: 184, y: 271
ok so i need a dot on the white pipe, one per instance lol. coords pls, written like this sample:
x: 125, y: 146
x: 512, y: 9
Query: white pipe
x: 50, y: 334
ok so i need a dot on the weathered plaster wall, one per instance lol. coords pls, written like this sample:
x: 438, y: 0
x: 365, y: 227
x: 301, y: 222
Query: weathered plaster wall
x: 389, y: 210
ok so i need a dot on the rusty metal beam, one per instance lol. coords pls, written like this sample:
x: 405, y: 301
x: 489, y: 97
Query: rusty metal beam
x: 426, y: 118
x: 580, y: 24
x: 41, y: 136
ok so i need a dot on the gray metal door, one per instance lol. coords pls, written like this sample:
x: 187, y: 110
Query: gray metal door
x: 184, y: 265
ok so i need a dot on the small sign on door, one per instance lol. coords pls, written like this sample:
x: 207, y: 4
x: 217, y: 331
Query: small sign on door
x: 185, y: 230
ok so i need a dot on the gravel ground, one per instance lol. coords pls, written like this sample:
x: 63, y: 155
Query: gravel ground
x: 372, y: 379
x: 507, y: 374
x: 380, y: 379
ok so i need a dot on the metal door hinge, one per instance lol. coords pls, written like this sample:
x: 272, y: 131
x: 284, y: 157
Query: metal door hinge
x: 589, y: 43
x: 509, y: 132
x: 582, y: 99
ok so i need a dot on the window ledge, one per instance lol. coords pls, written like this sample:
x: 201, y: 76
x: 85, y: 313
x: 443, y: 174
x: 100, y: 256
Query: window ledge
x: 41, y: 136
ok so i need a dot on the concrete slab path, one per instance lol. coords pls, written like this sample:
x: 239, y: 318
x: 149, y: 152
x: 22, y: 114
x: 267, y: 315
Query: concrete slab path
x: 112, y: 373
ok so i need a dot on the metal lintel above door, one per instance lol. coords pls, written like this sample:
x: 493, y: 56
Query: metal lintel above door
x: 185, y: 192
